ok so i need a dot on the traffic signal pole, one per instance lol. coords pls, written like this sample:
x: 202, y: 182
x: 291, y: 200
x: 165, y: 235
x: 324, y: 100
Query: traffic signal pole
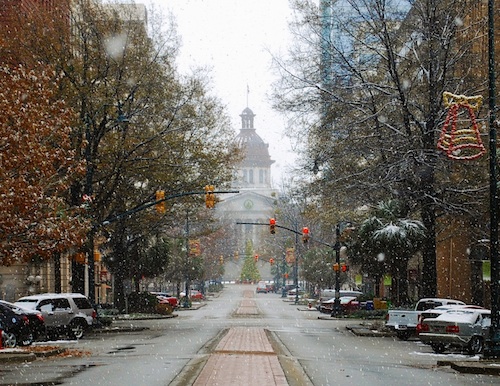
x: 340, y: 229
x: 149, y: 204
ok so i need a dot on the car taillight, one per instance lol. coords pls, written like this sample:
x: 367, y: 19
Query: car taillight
x: 452, y: 329
x: 26, y: 320
x: 422, y: 327
x: 40, y: 317
x: 94, y: 315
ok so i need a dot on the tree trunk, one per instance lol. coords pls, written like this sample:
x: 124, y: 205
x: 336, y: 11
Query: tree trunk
x: 119, y: 294
x: 429, y: 269
x: 57, y: 273
x: 399, y: 290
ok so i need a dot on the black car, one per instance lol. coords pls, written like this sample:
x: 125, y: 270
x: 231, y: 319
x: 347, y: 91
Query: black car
x: 15, y: 328
x: 35, y: 318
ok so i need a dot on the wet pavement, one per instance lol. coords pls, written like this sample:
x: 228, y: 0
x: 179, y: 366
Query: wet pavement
x: 245, y: 355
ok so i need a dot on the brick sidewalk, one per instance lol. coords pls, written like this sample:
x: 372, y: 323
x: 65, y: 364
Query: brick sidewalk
x: 243, y: 357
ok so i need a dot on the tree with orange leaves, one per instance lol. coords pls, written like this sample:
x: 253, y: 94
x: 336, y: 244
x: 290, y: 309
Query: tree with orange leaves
x: 37, y: 166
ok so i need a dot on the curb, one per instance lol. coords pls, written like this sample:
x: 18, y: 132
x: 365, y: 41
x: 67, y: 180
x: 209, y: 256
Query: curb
x: 473, y: 367
x: 6, y: 357
x: 359, y: 330
x: 18, y: 356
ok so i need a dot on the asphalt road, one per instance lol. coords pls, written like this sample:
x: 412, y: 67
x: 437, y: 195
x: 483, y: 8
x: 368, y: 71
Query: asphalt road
x: 325, y: 349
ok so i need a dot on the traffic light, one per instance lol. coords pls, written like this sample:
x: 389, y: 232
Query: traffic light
x: 271, y: 261
x: 256, y: 257
x: 209, y: 196
x: 336, y: 267
x: 305, y: 235
x: 221, y: 259
x: 160, y: 206
x: 272, y: 225
x: 344, y: 267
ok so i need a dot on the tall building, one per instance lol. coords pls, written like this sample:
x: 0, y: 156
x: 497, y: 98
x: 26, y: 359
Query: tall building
x: 254, y: 202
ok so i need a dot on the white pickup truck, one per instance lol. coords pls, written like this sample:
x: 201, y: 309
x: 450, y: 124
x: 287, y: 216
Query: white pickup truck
x: 404, y: 322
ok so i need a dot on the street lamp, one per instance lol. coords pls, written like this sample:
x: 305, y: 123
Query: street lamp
x: 340, y: 229
x: 283, y: 288
x: 188, y: 284
x: 492, y: 348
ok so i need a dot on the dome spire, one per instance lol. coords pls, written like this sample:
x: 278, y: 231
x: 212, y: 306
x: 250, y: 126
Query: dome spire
x: 248, y: 92
x: 247, y: 119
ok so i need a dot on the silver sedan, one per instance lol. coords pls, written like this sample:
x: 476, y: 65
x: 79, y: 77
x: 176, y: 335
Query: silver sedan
x: 462, y: 328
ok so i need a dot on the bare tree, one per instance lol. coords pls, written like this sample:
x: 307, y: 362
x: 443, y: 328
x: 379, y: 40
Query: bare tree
x: 369, y: 94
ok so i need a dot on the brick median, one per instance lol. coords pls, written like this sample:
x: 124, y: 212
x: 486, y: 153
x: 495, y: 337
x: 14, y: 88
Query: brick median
x: 243, y: 356
x: 242, y: 369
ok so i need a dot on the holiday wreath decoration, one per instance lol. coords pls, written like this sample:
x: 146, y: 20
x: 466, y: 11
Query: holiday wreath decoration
x: 460, y: 138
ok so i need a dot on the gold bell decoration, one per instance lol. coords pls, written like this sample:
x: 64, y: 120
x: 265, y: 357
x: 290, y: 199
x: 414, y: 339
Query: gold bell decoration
x: 460, y: 138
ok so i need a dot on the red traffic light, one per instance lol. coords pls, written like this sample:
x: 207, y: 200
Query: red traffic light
x: 271, y: 261
x: 272, y: 226
x: 305, y: 235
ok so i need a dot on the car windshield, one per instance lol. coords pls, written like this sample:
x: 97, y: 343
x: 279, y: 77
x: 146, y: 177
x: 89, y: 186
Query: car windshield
x: 29, y: 304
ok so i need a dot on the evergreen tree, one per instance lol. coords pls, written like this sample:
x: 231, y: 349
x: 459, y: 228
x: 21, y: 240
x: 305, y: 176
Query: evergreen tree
x: 249, y: 272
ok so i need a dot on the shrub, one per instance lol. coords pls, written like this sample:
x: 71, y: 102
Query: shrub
x: 164, y: 309
x: 142, y: 302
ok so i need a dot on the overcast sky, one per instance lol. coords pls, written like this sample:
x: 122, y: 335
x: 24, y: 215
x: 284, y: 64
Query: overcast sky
x: 233, y: 38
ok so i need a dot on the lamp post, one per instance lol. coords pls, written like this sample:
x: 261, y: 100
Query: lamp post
x: 283, y: 265
x: 340, y: 229
x: 296, y: 266
x: 336, y: 305
x: 186, y: 296
x: 493, y: 343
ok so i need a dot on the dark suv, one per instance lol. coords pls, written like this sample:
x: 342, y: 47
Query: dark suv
x: 70, y: 314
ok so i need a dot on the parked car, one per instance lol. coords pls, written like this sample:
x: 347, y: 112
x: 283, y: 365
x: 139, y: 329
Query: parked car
x: 68, y: 314
x: 462, y: 328
x: 328, y: 294
x: 15, y: 328
x: 193, y: 295
x: 327, y: 299
x: 36, y: 323
x: 404, y: 322
x: 261, y: 287
x: 291, y: 295
x: 347, y: 303
x: 435, y: 312
x: 165, y: 297
x: 196, y: 295
x: 271, y: 287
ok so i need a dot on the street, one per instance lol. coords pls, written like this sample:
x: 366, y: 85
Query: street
x: 328, y: 352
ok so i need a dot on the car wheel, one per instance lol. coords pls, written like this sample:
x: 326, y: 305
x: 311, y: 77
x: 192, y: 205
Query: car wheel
x: 403, y: 335
x: 9, y: 339
x: 28, y: 340
x: 76, y: 329
x: 475, y: 345
x: 438, y: 348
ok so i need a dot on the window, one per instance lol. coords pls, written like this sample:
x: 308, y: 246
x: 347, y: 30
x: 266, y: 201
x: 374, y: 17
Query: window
x: 61, y: 305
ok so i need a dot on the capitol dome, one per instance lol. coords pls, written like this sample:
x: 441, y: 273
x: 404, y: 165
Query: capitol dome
x: 255, y: 149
